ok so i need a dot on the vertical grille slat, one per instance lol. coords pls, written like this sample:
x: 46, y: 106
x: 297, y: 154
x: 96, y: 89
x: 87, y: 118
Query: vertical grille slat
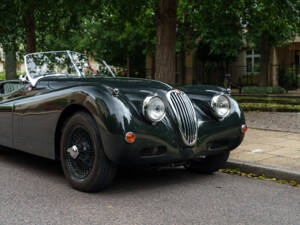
x: 191, y: 127
x: 185, y: 115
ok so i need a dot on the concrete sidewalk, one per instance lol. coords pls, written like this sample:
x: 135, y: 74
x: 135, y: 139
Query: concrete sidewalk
x: 273, y: 153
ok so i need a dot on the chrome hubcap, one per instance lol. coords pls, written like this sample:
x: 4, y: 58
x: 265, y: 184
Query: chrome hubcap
x: 73, y: 151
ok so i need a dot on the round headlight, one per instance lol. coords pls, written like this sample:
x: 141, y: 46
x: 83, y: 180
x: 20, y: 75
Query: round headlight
x: 220, y: 105
x: 154, y: 108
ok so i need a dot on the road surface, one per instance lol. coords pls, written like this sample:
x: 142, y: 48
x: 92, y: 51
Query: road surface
x: 34, y: 191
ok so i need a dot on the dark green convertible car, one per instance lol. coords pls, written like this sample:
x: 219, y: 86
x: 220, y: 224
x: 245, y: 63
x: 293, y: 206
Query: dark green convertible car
x: 67, y: 109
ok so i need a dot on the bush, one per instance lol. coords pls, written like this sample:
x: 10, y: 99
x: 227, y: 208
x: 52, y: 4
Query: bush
x: 262, y: 90
x: 288, y: 79
x: 269, y: 107
x: 261, y: 99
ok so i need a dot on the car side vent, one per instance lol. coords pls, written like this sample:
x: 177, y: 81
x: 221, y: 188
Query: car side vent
x: 185, y: 116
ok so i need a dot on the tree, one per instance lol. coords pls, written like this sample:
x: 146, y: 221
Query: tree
x: 270, y: 24
x: 165, y: 21
x: 10, y: 31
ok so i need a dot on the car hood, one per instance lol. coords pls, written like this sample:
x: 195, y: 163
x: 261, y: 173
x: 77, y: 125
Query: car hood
x: 135, y: 90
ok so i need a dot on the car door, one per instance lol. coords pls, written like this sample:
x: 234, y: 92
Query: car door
x: 6, y: 123
x: 6, y: 118
x: 34, y: 121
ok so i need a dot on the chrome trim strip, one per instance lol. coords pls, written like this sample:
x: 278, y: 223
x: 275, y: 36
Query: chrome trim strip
x: 34, y: 81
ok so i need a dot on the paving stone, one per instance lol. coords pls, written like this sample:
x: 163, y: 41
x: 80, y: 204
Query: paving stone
x: 287, y: 152
x: 285, y: 162
x: 281, y: 121
x: 279, y: 148
x: 251, y: 157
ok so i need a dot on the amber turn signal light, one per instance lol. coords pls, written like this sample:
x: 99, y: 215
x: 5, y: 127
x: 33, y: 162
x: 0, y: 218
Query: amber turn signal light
x: 244, y: 128
x: 130, y: 137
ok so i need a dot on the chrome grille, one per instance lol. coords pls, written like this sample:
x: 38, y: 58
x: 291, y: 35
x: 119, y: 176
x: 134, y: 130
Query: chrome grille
x: 185, y: 115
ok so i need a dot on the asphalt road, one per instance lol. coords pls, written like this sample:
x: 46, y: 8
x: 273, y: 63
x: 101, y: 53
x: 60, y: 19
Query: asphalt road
x: 34, y: 191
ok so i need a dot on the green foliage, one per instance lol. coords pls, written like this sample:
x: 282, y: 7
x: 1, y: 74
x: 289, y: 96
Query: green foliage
x: 288, y: 78
x: 2, y: 75
x: 278, y: 21
x: 262, y: 90
x: 219, y: 26
x: 267, y: 103
x: 124, y: 30
x: 270, y: 107
x: 10, y: 27
x: 261, y: 99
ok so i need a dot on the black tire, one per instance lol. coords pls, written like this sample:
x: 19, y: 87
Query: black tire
x: 91, y: 170
x: 210, y: 164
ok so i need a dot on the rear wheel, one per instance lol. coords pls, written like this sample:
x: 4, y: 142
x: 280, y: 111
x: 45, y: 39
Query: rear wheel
x: 210, y: 164
x: 83, y: 160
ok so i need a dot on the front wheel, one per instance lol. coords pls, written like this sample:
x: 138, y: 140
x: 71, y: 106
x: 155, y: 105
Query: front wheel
x: 83, y: 160
x: 210, y: 164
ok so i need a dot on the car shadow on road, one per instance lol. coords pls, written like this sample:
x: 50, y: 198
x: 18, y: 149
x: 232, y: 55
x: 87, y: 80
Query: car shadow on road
x: 31, y: 163
x: 127, y: 179
x: 130, y: 179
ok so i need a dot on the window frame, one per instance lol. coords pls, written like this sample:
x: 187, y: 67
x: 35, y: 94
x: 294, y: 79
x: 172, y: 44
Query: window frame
x: 253, y: 55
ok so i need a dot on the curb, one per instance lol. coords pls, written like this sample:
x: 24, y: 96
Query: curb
x: 269, y: 171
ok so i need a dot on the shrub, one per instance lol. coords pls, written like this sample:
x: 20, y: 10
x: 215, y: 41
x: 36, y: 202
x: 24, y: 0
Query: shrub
x: 262, y: 90
x: 261, y: 99
x: 266, y: 107
x: 288, y: 79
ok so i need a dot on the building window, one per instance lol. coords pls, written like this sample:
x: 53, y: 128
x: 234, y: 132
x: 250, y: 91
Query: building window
x: 253, y: 62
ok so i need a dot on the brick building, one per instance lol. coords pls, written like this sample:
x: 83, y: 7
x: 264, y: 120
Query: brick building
x: 245, y: 70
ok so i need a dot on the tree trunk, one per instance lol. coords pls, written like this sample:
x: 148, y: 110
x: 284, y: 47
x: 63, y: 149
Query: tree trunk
x: 264, y: 59
x: 30, y: 30
x: 10, y: 63
x: 180, y: 76
x: 165, y: 60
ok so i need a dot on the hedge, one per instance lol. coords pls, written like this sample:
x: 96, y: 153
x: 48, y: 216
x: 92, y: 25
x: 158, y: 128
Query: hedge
x: 269, y: 107
x: 279, y: 100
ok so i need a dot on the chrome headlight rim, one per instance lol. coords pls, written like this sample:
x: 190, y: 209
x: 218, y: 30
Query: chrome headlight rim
x: 214, y: 101
x: 146, y: 104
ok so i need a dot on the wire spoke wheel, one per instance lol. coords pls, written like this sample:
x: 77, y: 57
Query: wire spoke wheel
x: 83, y: 159
x: 82, y: 165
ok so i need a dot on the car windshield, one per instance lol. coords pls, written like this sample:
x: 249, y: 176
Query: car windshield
x: 66, y: 63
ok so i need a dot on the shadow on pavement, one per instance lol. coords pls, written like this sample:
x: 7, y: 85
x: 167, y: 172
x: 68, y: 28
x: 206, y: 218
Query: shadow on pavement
x: 127, y: 179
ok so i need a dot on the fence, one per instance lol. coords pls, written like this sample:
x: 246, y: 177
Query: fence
x: 214, y: 74
x: 288, y: 75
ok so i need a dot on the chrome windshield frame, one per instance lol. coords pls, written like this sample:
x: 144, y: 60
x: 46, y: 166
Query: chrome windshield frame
x: 34, y: 80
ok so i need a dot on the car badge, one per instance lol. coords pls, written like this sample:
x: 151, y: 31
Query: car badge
x: 176, y: 90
